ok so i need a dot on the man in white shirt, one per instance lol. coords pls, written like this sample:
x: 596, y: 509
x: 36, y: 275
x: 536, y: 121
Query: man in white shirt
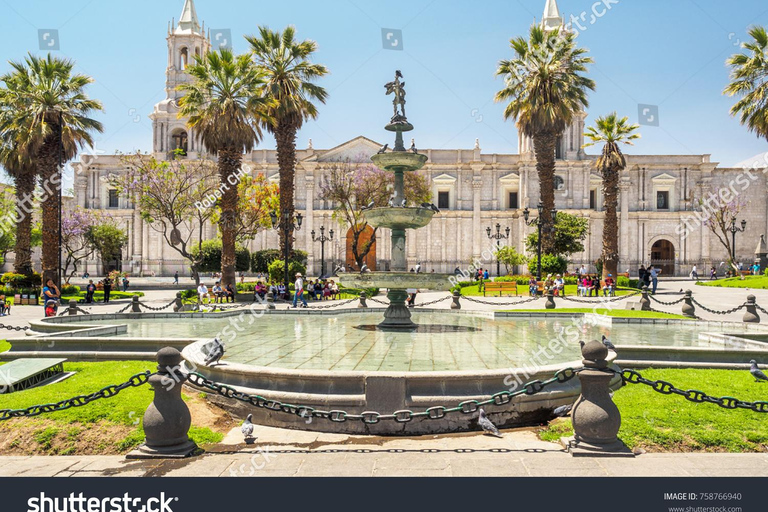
x: 298, y: 286
x: 202, y: 292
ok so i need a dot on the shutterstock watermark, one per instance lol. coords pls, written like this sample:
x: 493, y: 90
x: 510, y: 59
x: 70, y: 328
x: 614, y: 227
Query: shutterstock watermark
x: 77, y: 502
x: 587, y: 18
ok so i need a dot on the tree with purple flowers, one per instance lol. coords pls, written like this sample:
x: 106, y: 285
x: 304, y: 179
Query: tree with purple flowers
x: 718, y: 219
x: 75, y: 227
x: 353, y: 185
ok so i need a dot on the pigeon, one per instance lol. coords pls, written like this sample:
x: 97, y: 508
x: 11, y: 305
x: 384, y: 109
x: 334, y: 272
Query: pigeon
x: 581, y: 343
x: 757, y: 373
x: 403, y: 203
x: 563, y: 410
x: 364, y: 269
x: 430, y: 206
x: 383, y: 149
x: 215, y: 352
x: 608, y: 344
x: 486, y: 424
x: 413, y: 146
x: 418, y: 267
x: 391, y: 201
x: 368, y: 206
x: 247, y: 429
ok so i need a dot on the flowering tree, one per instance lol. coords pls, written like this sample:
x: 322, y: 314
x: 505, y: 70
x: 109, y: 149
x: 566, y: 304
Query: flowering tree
x: 352, y: 186
x: 75, y: 243
x: 175, y: 198
x: 257, y: 197
x: 719, y: 219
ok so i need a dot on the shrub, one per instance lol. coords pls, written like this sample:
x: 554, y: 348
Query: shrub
x: 211, y: 257
x: 276, y: 270
x: 70, y: 289
x: 20, y: 280
x: 260, y: 260
x: 189, y: 294
x: 550, y: 264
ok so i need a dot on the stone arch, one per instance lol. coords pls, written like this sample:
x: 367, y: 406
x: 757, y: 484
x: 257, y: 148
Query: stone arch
x: 183, y: 58
x: 179, y: 140
x: 662, y: 255
x: 370, y: 259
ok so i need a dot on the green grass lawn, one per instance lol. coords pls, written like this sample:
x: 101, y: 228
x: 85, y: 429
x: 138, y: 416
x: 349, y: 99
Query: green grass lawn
x: 99, y: 296
x: 522, y: 291
x: 670, y: 423
x: 618, y: 313
x: 113, y: 422
x: 754, y: 282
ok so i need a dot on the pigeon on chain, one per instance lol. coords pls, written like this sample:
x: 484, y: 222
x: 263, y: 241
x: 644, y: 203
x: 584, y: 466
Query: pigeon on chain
x: 247, y: 429
x: 215, y: 352
x: 757, y: 373
x: 486, y: 424
x: 608, y: 344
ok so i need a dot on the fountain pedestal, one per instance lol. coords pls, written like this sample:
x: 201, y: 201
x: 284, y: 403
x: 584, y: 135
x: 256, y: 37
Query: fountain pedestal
x: 397, y: 315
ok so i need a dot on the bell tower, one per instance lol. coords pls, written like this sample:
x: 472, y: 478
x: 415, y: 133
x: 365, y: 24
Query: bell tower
x: 186, y: 41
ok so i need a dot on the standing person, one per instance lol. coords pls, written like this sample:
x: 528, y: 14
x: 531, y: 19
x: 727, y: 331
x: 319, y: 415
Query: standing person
x: 89, y: 291
x: 654, y: 272
x: 641, y: 276
x: 299, y: 288
x: 713, y: 273
x: 107, y: 282
x: 694, y: 274
x: 125, y: 283
x: 176, y: 277
x: 51, y: 293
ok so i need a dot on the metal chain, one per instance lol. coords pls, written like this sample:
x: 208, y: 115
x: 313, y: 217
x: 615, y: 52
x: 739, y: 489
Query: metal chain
x: 761, y: 309
x: 77, y: 401
x: 335, y: 304
x: 692, y: 395
x: 432, y: 302
x: 489, y: 303
x: 377, y: 301
x: 126, y: 308
x: 600, y: 300
x: 14, y: 328
x: 160, y: 308
x: 714, y: 312
x: 371, y: 417
x: 678, y: 301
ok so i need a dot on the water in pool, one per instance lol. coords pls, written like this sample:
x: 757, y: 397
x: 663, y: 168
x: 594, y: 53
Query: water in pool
x: 451, y: 342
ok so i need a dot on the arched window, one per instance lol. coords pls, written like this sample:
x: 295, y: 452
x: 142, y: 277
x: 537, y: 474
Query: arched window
x: 184, y: 60
x: 197, y: 51
x: 559, y: 183
x: 179, y: 141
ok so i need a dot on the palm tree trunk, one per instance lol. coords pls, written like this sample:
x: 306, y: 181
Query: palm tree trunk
x: 611, y: 223
x: 25, y: 188
x: 285, y: 137
x: 229, y: 163
x: 50, y: 173
x: 544, y: 149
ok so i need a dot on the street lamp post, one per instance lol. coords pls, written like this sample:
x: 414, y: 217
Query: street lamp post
x: 735, y: 229
x: 526, y: 215
x: 284, y: 222
x: 322, y: 239
x: 498, y: 237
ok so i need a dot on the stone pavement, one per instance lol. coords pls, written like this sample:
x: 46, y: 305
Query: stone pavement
x: 279, y: 452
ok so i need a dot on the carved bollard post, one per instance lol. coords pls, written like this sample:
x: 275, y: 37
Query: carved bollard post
x: 72, y: 308
x: 135, y: 308
x: 362, y: 304
x: 177, y: 304
x: 596, y: 419
x: 270, y: 300
x: 688, y: 308
x: 167, y: 419
x: 550, y: 303
x: 645, y: 301
x: 750, y: 315
x: 456, y: 297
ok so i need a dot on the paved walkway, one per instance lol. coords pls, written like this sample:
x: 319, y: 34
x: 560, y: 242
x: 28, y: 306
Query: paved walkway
x: 279, y: 452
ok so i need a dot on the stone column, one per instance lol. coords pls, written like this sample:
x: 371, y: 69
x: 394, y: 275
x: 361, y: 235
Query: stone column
x: 477, y: 241
x: 624, y: 223
x: 309, y: 209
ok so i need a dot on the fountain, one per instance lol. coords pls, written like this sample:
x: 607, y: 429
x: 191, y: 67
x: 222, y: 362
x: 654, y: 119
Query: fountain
x: 398, y: 216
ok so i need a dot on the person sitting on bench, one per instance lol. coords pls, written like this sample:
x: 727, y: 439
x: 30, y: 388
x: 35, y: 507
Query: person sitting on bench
x: 610, y: 286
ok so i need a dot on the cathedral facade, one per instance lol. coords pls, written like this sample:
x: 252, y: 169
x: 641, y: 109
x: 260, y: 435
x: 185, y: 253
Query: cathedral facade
x: 474, y: 190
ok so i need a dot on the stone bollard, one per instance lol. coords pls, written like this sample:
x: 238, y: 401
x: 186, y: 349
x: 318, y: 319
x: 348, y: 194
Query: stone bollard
x: 750, y: 315
x: 456, y: 296
x: 270, y: 300
x: 645, y: 301
x: 596, y: 419
x: 550, y: 303
x: 362, y: 304
x: 167, y: 419
x: 177, y: 303
x: 688, y: 308
x: 72, y: 308
x: 135, y: 308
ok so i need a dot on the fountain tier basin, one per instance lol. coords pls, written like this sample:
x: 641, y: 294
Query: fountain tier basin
x: 397, y: 280
x: 398, y: 218
x: 399, y: 160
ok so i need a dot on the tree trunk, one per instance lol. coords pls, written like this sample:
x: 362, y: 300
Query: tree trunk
x: 25, y: 189
x: 50, y: 173
x: 544, y: 149
x: 285, y: 137
x: 229, y: 163
x: 611, y: 223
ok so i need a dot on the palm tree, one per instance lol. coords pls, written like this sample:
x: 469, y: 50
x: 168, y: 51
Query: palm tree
x: 612, y: 131
x: 289, y: 73
x: 225, y: 103
x: 749, y: 81
x: 24, y: 176
x: 545, y: 88
x: 51, y: 127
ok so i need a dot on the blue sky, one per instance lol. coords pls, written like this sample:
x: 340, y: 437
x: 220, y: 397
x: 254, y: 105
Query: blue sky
x: 666, y: 53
